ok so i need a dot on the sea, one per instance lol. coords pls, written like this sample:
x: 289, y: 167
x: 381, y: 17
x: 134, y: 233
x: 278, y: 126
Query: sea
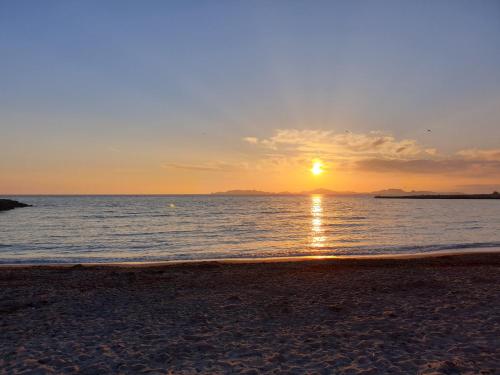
x: 95, y: 229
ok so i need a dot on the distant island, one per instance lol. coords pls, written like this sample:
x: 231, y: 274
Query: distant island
x: 379, y: 193
x: 494, y: 195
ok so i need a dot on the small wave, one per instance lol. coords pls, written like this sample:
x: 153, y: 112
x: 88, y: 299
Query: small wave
x: 439, y: 247
x: 344, y: 225
x: 139, y: 234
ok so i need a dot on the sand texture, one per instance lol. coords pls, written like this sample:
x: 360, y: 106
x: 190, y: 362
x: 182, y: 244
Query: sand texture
x: 427, y: 316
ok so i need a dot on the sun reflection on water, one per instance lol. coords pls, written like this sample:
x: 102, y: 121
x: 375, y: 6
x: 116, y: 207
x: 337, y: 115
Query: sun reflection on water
x: 317, y: 237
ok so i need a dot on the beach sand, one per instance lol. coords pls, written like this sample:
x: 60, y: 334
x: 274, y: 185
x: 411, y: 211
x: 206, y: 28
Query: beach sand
x: 430, y: 315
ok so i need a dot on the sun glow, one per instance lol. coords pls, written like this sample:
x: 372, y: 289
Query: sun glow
x: 317, y: 168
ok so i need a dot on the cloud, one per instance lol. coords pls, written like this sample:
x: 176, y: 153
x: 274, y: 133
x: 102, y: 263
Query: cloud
x: 479, y: 188
x: 251, y: 140
x: 206, y: 167
x: 337, y: 147
x: 341, y: 145
x: 374, y: 151
x: 429, y: 166
x: 469, y: 167
x: 114, y: 149
x: 478, y: 154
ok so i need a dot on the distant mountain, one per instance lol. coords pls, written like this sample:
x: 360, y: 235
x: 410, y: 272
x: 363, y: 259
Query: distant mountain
x: 386, y: 192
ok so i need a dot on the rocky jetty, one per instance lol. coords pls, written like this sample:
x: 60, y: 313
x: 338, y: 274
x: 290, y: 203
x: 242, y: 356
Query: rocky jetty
x: 9, y: 204
x: 494, y: 195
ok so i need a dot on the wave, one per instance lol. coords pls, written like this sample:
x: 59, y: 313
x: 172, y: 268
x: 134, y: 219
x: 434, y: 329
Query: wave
x: 324, y: 251
x: 410, y: 249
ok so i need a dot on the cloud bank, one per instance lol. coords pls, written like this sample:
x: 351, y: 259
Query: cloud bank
x: 374, y: 151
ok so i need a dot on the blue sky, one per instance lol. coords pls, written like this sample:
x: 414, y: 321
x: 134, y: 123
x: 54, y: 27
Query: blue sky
x: 189, y: 80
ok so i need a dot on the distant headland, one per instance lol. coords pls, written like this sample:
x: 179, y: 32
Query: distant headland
x: 9, y: 204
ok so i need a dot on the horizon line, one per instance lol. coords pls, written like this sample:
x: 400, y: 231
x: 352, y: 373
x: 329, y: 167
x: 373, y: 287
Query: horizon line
x: 244, y: 192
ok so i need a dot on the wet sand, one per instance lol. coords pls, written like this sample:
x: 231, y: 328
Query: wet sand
x: 427, y: 315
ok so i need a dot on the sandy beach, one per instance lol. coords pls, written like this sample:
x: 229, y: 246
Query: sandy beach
x: 437, y: 315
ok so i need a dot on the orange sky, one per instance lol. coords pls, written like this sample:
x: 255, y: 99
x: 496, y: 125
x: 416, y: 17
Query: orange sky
x: 282, y: 162
x: 175, y: 97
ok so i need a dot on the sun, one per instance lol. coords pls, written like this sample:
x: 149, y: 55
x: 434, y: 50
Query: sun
x: 317, y: 167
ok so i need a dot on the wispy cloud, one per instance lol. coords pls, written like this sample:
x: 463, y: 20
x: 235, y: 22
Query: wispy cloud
x: 478, y: 154
x: 114, y: 149
x: 206, y: 167
x: 479, y: 188
x: 426, y: 166
x: 251, y: 140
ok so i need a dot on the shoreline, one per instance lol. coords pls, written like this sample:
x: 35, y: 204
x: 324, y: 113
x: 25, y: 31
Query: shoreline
x: 289, y: 259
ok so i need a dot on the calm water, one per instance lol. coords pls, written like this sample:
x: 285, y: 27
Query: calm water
x: 153, y: 228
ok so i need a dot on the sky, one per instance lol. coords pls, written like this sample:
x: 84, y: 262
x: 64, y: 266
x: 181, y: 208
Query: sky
x: 159, y: 97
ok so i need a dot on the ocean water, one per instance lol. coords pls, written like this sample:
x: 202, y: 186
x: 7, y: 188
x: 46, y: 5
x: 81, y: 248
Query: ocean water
x: 161, y: 228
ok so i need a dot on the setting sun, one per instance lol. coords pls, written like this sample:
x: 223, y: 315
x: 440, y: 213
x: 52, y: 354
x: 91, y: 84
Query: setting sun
x: 317, y: 168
